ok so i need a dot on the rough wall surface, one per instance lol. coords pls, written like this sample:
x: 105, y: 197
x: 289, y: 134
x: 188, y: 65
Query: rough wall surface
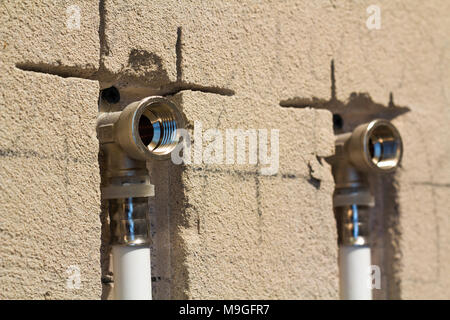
x: 49, y: 178
x: 223, y: 230
x: 247, y: 234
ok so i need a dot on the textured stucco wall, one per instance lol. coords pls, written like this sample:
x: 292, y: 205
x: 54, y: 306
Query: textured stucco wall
x: 49, y: 178
x: 221, y: 231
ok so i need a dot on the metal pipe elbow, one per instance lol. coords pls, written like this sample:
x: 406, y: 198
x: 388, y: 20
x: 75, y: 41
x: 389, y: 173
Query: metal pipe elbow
x: 371, y: 147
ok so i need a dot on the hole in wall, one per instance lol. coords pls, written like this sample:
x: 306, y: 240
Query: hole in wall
x: 338, y: 122
x: 110, y: 95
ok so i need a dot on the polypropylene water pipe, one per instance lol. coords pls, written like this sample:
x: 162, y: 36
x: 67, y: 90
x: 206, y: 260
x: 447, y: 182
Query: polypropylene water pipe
x: 354, y: 250
x: 354, y: 266
x: 132, y: 273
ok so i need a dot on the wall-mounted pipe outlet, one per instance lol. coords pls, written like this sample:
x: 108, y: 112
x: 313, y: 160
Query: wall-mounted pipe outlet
x: 372, y: 147
x: 144, y: 130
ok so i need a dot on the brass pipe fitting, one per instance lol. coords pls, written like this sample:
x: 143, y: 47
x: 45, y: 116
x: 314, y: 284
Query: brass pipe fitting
x: 144, y: 130
x: 371, y: 147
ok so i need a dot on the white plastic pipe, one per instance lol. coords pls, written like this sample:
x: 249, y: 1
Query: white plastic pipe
x: 132, y: 273
x: 355, y: 275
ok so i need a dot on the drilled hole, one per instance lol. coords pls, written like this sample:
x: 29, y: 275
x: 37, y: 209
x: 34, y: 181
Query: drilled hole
x: 111, y: 95
x: 338, y: 123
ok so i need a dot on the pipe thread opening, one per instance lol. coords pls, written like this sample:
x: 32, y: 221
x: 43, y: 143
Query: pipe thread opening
x: 384, y: 147
x: 158, y: 129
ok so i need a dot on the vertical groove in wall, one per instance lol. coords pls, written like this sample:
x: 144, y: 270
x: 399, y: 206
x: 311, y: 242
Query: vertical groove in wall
x: 177, y: 204
x: 392, y: 235
x: 104, y: 48
x: 105, y: 248
x: 179, y: 54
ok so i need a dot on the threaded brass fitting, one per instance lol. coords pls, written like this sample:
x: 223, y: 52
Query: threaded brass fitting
x: 144, y: 130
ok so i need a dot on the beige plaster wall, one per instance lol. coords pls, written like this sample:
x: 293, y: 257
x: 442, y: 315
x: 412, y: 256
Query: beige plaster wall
x: 220, y: 231
x: 49, y: 178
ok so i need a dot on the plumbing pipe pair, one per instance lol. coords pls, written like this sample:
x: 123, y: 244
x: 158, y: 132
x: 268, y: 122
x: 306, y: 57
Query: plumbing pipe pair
x: 144, y: 130
x: 149, y: 129
x: 374, y: 147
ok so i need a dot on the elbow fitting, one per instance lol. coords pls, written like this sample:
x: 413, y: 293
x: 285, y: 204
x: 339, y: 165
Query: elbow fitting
x: 144, y: 130
x: 371, y: 147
